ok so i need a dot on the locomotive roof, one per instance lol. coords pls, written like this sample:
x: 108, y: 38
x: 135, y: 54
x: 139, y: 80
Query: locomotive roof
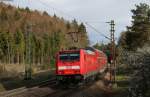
x: 89, y: 50
x: 69, y: 51
x: 93, y: 49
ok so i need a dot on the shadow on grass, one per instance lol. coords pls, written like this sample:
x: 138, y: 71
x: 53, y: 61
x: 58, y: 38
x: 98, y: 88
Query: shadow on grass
x: 13, y: 83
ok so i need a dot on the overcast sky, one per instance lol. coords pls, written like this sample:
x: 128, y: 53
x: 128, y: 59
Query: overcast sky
x: 95, y: 12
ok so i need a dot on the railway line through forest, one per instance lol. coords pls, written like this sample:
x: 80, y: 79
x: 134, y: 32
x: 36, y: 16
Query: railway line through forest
x: 50, y: 88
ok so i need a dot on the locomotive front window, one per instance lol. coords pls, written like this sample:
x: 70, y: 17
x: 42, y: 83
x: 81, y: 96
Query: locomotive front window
x: 69, y: 56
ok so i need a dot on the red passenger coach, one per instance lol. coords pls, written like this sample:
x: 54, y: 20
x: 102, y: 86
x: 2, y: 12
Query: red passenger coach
x: 77, y: 65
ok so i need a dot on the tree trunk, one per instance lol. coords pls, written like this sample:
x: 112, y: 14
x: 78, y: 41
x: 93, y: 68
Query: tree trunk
x: 12, y: 58
x: 18, y: 59
x: 38, y: 60
x: 9, y: 58
x: 42, y: 58
x: 23, y: 58
x: 0, y: 62
x: 33, y: 58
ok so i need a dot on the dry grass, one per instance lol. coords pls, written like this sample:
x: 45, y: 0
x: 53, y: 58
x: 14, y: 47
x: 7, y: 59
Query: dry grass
x: 15, y: 67
x: 15, y: 70
x: 12, y: 75
x: 17, y: 83
x: 11, y: 70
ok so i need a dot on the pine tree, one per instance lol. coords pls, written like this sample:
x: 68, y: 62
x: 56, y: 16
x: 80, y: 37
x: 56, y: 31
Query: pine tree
x: 75, y: 25
x: 17, y: 15
x: 140, y: 28
x: 139, y: 33
x: 19, y: 45
x: 83, y: 35
x: 45, y: 13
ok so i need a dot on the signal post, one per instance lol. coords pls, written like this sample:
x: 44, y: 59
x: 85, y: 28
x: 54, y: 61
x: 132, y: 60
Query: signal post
x: 112, y: 66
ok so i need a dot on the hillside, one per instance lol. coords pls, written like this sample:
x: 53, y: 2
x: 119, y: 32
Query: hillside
x: 22, y: 30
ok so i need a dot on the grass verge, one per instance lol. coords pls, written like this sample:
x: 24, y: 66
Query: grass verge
x: 17, y: 83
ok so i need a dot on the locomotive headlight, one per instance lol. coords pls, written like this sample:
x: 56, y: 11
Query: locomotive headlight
x: 75, y: 67
x: 62, y: 68
x: 68, y: 67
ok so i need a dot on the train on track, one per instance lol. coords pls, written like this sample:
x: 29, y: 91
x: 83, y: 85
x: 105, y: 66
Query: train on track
x: 74, y: 66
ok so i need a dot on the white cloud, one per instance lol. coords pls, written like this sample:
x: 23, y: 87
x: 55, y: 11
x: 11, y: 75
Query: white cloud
x: 90, y: 10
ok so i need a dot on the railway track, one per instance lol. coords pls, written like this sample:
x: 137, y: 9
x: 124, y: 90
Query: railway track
x: 50, y: 88
x: 81, y: 91
x: 38, y: 90
x: 97, y: 88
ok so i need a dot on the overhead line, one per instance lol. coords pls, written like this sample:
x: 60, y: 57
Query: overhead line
x: 96, y: 30
x: 48, y: 5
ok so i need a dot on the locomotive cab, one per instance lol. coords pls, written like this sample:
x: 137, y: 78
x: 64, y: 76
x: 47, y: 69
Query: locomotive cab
x: 75, y: 66
x: 68, y: 66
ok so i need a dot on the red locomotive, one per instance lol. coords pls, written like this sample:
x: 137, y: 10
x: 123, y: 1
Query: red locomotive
x: 78, y: 65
